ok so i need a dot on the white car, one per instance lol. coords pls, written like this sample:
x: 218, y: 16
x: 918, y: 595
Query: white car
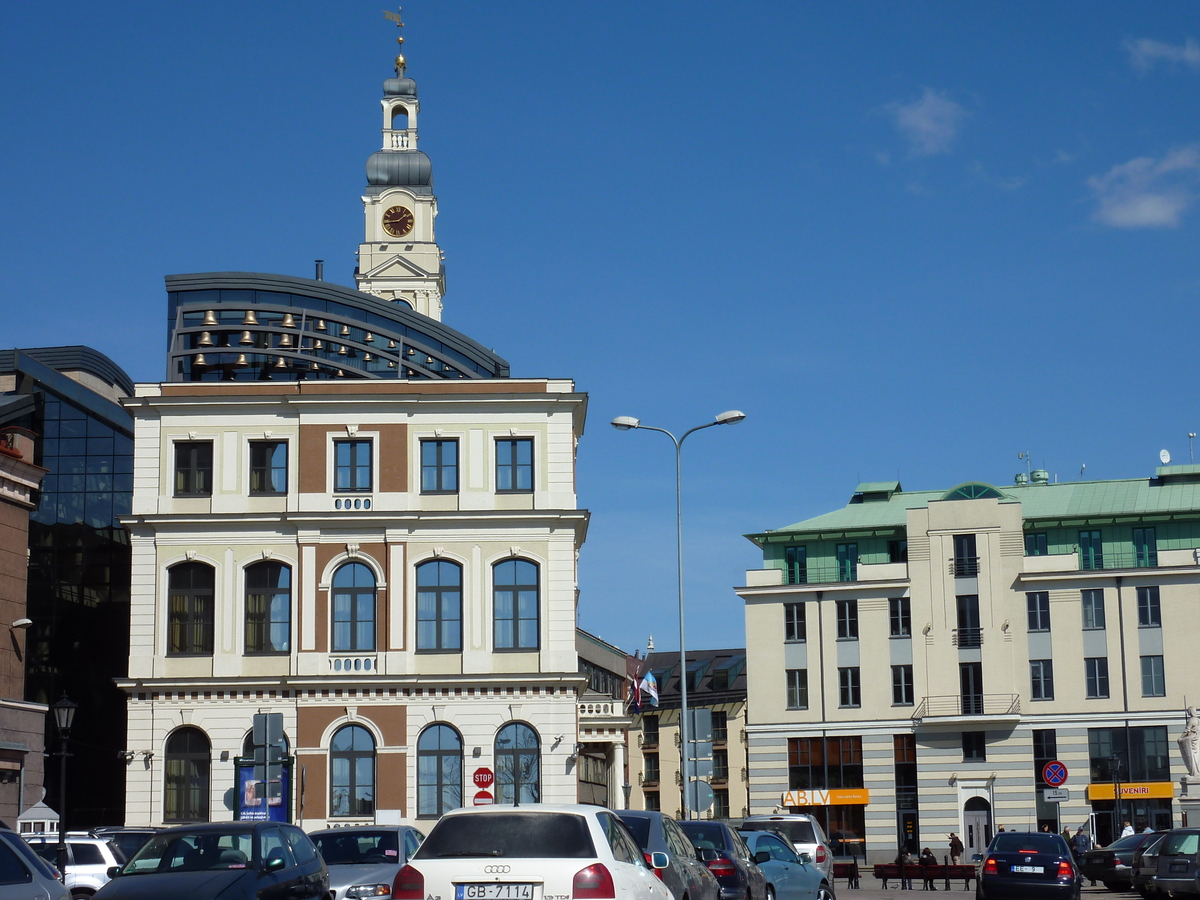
x: 531, y: 852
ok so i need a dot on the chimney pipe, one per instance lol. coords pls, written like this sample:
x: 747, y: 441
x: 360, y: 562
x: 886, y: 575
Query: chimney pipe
x: 320, y: 276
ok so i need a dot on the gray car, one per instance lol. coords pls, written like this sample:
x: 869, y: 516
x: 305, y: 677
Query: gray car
x: 1179, y: 862
x: 25, y: 876
x: 686, y: 876
x: 789, y: 876
x: 364, y: 860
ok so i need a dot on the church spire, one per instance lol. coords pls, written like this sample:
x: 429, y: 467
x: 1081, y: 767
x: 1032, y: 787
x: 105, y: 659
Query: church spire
x: 398, y: 259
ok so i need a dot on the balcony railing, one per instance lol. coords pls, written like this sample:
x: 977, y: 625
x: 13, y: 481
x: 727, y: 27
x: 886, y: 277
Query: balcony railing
x: 815, y: 574
x: 400, y: 138
x: 969, y: 705
x: 967, y: 637
x: 1121, y: 559
x: 648, y: 740
x: 964, y: 566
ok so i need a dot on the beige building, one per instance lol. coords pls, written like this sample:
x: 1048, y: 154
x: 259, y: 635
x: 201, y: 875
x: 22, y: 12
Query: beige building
x: 918, y: 659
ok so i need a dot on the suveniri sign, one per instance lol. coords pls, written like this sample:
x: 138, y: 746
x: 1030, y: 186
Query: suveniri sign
x: 1150, y: 790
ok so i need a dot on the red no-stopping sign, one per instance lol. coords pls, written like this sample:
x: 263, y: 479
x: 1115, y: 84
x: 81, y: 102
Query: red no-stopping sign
x: 1054, y: 773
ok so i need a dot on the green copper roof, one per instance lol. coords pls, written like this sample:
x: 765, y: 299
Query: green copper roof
x: 1069, y: 502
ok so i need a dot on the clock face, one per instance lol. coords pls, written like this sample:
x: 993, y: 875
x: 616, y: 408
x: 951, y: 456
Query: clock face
x: 398, y: 221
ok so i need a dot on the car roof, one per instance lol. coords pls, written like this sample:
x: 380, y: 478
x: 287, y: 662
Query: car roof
x: 579, y: 809
x: 220, y: 827
x: 640, y: 813
x: 358, y: 829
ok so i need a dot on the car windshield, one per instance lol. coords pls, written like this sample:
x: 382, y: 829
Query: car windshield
x: 1180, y: 843
x: 1126, y: 842
x: 128, y: 842
x: 355, y: 848
x: 516, y: 835
x: 705, y: 835
x: 798, y: 832
x: 193, y: 852
x: 1036, y: 842
x: 640, y: 826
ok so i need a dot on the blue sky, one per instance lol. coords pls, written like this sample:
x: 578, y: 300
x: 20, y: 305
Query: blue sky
x: 908, y: 240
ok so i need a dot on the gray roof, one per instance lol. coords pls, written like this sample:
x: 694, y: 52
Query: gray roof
x: 74, y: 359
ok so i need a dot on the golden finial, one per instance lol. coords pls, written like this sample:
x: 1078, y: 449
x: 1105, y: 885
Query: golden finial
x: 400, y: 64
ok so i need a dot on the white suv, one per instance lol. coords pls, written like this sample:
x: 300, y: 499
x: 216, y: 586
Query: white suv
x: 803, y: 831
x: 531, y: 851
x: 88, y: 860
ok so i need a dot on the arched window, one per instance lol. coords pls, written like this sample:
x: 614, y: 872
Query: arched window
x: 353, y: 608
x: 439, y: 605
x: 248, y: 745
x: 515, y: 603
x: 439, y: 771
x: 186, y: 780
x: 190, y: 609
x: 268, y: 608
x: 518, y: 764
x: 352, y: 781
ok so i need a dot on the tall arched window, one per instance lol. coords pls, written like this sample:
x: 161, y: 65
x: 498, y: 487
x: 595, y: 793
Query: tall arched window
x: 190, y: 609
x: 515, y: 604
x: 353, y: 608
x: 352, y: 768
x: 439, y: 771
x: 268, y: 608
x: 186, y: 780
x: 518, y: 764
x: 439, y: 605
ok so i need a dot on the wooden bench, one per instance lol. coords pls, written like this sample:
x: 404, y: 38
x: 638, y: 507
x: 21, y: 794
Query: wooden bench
x: 848, y: 870
x: 886, y: 872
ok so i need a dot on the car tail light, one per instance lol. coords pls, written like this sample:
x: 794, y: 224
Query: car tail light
x: 820, y: 853
x: 990, y: 867
x: 650, y: 863
x: 722, y: 867
x: 1065, y: 870
x: 409, y: 885
x: 593, y: 883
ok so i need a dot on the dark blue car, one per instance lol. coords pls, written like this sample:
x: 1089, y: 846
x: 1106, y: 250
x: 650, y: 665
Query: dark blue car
x: 1035, y: 865
x: 727, y: 856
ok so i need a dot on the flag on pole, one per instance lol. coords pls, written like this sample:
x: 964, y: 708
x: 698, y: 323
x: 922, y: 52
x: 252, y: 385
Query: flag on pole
x: 649, y: 685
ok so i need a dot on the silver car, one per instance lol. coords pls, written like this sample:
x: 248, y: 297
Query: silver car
x: 88, y: 859
x: 805, y: 834
x: 24, y: 875
x: 364, y: 860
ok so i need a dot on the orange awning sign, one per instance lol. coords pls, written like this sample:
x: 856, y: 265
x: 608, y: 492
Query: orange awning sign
x: 1150, y: 790
x: 833, y: 797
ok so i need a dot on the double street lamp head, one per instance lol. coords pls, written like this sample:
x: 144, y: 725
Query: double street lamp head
x: 729, y: 417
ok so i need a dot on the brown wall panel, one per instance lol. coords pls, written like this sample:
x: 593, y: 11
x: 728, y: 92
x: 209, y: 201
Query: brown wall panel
x: 316, y: 784
x: 390, y: 780
x: 312, y: 457
x: 311, y: 722
x: 393, y: 457
x: 392, y: 722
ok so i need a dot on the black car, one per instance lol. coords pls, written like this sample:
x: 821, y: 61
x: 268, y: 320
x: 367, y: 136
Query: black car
x: 261, y: 860
x: 128, y: 840
x: 1033, y: 865
x: 727, y: 856
x: 686, y: 875
x: 1113, y: 865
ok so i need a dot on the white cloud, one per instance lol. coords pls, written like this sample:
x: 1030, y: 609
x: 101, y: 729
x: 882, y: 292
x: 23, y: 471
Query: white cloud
x: 929, y: 124
x: 1147, y: 192
x: 1144, y: 53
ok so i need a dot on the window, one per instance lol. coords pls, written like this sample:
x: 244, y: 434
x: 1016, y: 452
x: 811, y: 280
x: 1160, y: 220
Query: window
x: 439, y: 467
x: 268, y: 467
x: 1153, y: 680
x: 902, y: 685
x: 268, y: 608
x: 1037, y: 604
x: 974, y: 746
x: 1036, y: 545
x: 795, y: 628
x: 353, y: 609
x: 847, y: 561
x: 439, y: 606
x: 1045, y: 746
x: 847, y: 620
x: 1145, y: 547
x: 797, y: 688
x: 649, y: 731
x: 720, y: 765
x: 352, y: 779
x: 849, y: 689
x: 1091, y: 550
x: 824, y: 763
x: 190, y: 610
x: 353, y: 465
x: 186, y: 776
x: 1093, y: 609
x: 968, y: 633
x: 439, y: 771
x: 721, y: 803
x: 897, y: 551
x: 720, y: 726
x: 900, y: 616
x: 518, y: 765
x: 1096, y: 675
x: 1149, y: 611
x: 970, y: 686
x: 193, y: 469
x: 650, y: 776
x: 1143, y: 753
x: 652, y: 801
x: 1041, y: 676
x: 514, y: 465
x: 966, y: 558
x: 797, y: 565
x: 515, y: 596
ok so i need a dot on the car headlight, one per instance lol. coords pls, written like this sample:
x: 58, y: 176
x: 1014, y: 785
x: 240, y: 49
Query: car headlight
x: 370, y: 890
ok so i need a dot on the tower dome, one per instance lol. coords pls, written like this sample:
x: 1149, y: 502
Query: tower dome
x: 399, y: 167
x: 399, y: 87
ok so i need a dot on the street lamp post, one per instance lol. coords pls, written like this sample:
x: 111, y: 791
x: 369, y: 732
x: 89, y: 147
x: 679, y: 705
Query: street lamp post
x: 627, y: 423
x: 64, y: 717
x: 1114, y: 762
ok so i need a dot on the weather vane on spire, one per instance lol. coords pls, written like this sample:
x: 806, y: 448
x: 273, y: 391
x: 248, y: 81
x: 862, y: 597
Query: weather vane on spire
x: 401, y: 64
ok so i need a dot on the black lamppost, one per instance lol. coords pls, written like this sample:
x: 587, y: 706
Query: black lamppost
x: 1114, y: 762
x: 64, y: 716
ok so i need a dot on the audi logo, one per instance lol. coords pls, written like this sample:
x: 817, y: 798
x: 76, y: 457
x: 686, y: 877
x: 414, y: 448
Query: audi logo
x: 496, y: 870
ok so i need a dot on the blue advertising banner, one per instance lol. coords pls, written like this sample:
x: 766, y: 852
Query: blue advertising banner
x: 251, y: 808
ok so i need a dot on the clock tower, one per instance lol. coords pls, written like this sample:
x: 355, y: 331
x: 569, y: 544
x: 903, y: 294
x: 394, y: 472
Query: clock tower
x: 399, y: 260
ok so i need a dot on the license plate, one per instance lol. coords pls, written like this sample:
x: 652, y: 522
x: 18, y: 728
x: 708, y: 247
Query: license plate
x: 494, y: 891
x: 1035, y: 869
x: 1179, y: 867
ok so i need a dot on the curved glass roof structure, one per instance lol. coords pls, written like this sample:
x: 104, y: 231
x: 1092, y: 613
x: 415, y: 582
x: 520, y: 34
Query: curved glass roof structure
x: 247, y: 326
x: 973, y: 490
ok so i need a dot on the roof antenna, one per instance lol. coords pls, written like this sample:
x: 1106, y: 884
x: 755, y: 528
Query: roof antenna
x: 1191, y: 451
x: 1028, y: 464
x: 1082, y: 467
x: 320, y: 274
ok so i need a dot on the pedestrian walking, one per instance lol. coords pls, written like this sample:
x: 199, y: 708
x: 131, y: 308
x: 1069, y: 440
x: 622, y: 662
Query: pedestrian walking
x: 1081, y: 844
x: 956, y: 849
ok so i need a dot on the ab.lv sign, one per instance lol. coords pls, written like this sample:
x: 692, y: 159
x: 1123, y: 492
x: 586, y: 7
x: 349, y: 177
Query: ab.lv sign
x: 833, y: 797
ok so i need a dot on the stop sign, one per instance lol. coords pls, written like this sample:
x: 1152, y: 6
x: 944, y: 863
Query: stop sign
x: 483, y: 778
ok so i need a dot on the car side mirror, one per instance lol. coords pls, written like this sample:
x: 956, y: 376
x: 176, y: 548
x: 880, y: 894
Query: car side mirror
x: 659, y: 860
x: 761, y: 857
x: 806, y: 858
x: 114, y: 871
x: 274, y: 864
